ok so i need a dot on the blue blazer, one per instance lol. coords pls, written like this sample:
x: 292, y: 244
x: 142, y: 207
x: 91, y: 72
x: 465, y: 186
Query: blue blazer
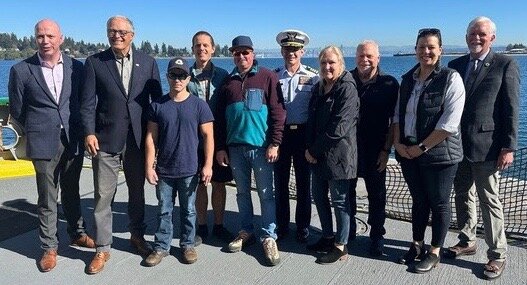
x: 106, y: 110
x: 490, y: 117
x: 33, y: 106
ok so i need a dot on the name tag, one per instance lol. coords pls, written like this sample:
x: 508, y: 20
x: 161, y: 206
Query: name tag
x: 304, y: 80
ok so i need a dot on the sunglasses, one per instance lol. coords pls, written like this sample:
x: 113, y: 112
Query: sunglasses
x: 238, y: 53
x: 177, y: 76
x: 428, y: 31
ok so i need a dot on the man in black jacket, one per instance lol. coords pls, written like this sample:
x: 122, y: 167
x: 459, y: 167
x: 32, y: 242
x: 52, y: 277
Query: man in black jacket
x: 378, y: 94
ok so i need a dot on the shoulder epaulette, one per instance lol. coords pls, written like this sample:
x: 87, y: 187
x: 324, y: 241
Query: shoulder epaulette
x: 311, y: 69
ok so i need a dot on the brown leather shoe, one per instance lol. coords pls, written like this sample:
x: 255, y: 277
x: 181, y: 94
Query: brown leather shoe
x: 190, y: 255
x: 84, y: 241
x: 141, y: 245
x: 98, y: 261
x: 48, y: 260
x: 460, y: 250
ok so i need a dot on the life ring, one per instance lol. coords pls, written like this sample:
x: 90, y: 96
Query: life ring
x: 10, y: 137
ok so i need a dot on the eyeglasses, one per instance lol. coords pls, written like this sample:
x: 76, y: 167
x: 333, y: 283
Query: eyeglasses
x: 123, y: 33
x: 428, y: 31
x: 177, y: 76
x: 238, y: 53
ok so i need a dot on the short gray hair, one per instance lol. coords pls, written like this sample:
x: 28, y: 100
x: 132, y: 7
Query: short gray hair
x: 122, y: 18
x: 369, y: 42
x: 479, y: 20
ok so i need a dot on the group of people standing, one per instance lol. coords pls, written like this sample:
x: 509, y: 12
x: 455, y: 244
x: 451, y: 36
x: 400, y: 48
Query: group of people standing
x: 453, y: 125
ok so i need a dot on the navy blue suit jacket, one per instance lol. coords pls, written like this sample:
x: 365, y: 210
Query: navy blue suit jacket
x: 106, y: 110
x: 490, y: 117
x: 33, y: 106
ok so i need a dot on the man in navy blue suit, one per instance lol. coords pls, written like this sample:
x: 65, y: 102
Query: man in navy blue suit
x: 43, y: 98
x: 119, y: 85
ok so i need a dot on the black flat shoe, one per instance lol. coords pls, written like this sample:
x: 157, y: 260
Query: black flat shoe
x: 333, y: 256
x: 428, y: 263
x: 302, y: 235
x: 323, y: 245
x: 377, y: 247
x: 412, y: 255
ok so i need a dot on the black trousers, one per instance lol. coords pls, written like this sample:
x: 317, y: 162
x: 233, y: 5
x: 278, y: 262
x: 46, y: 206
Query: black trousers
x: 292, y: 150
x: 376, y: 187
x: 430, y: 187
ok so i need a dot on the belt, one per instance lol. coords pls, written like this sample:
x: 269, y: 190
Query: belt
x: 294, y: 126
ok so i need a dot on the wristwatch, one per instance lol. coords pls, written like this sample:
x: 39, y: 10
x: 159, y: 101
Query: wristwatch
x: 423, y: 147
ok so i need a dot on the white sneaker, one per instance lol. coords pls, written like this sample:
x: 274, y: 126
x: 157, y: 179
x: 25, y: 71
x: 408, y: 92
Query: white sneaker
x: 271, y: 251
x: 243, y: 239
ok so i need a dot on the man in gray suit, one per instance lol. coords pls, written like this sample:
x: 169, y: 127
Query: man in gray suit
x: 489, y: 128
x: 119, y: 85
x: 43, y: 98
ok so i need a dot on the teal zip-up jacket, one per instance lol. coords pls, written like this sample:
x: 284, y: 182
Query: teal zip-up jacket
x: 250, y: 110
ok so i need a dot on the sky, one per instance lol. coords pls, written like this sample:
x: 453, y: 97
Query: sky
x: 338, y: 22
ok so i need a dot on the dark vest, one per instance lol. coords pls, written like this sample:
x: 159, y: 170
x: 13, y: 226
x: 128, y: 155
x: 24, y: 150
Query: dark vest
x: 429, y: 110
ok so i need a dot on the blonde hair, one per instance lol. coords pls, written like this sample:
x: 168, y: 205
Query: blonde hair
x: 340, y: 60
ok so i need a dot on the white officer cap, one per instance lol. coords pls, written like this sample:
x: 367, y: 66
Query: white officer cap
x: 292, y: 38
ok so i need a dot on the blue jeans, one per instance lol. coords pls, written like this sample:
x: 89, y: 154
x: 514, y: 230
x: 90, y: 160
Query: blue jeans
x: 339, y: 190
x: 245, y: 159
x: 166, y: 192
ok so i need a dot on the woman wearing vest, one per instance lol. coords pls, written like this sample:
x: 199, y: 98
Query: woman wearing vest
x: 428, y: 144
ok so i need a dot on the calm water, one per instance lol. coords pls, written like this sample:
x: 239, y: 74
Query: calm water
x: 395, y: 66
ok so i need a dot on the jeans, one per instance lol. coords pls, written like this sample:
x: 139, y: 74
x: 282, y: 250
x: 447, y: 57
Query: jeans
x: 339, y: 190
x: 244, y: 159
x: 166, y: 192
x: 430, y: 187
x: 292, y: 149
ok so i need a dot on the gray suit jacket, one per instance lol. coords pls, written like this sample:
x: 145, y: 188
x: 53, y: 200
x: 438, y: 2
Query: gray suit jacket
x: 490, y: 117
x: 33, y: 106
x: 107, y: 111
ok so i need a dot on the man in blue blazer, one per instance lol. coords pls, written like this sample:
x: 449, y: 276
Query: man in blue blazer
x: 43, y: 98
x: 119, y: 85
x: 489, y: 130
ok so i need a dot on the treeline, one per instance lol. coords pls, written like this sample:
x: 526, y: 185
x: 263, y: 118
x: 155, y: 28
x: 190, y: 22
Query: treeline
x: 170, y: 51
x: 515, y: 46
x: 12, y: 47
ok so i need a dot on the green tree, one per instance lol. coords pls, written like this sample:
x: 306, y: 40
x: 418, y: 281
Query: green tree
x: 163, y: 49
x: 170, y: 51
x: 225, y: 51
x: 146, y: 47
